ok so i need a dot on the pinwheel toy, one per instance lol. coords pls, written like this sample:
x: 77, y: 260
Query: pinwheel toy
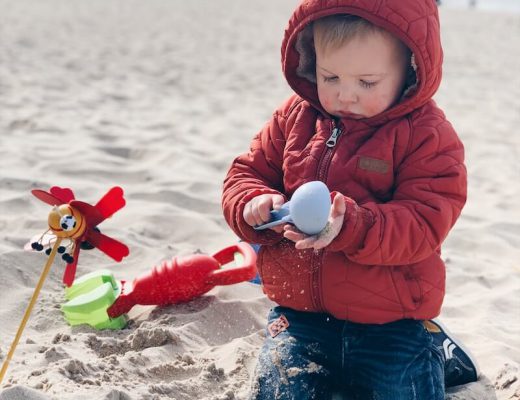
x: 76, y: 222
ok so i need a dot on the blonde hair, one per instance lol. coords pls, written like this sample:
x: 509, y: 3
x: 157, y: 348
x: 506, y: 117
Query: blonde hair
x: 334, y: 31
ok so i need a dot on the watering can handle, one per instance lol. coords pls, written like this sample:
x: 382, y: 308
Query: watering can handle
x: 229, y: 276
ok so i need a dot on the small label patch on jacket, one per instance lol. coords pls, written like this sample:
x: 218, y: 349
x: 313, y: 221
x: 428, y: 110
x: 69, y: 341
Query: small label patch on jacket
x: 373, y: 164
x: 278, y: 326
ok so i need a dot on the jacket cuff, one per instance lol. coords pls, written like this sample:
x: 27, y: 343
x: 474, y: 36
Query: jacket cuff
x: 357, y: 222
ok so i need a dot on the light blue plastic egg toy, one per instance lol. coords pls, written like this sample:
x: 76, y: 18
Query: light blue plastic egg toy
x: 310, y: 207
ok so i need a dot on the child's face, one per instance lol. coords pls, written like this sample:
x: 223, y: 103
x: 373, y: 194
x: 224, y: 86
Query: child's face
x: 363, y: 77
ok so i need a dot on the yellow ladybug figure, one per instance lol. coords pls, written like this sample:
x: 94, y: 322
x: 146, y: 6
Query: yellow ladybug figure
x: 66, y: 222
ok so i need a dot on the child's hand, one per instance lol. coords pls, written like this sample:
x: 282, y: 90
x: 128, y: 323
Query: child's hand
x: 322, y: 239
x: 256, y: 212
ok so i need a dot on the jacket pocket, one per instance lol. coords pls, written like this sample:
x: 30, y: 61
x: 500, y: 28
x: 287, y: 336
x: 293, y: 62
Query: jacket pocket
x: 407, y: 287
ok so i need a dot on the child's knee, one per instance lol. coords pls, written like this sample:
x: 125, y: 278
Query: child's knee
x: 284, y: 372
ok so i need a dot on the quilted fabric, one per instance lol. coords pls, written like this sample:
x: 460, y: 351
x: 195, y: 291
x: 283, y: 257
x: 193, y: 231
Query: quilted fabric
x: 401, y: 173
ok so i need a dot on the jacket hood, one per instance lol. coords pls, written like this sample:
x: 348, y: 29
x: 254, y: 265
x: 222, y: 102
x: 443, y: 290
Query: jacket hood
x: 415, y: 23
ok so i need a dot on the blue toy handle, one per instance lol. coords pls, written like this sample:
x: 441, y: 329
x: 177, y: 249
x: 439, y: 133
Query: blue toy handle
x: 281, y: 213
x: 278, y: 217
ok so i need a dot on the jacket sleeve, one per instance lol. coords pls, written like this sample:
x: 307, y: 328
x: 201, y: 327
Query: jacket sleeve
x: 257, y: 172
x: 429, y: 194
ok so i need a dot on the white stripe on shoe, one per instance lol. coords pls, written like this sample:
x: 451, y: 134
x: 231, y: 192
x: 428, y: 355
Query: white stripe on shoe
x: 452, y: 342
x: 448, y: 347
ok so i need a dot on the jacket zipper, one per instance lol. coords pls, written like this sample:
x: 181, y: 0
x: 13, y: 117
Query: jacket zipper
x: 317, y: 256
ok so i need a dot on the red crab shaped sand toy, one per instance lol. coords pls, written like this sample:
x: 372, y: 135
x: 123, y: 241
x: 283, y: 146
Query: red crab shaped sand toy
x: 97, y: 299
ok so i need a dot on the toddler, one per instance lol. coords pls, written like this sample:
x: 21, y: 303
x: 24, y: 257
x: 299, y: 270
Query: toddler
x: 353, y: 299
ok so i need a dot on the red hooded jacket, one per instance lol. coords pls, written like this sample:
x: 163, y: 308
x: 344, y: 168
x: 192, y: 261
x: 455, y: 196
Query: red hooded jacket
x: 401, y: 172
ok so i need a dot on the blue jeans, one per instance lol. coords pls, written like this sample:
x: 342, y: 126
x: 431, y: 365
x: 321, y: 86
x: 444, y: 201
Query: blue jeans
x: 318, y: 355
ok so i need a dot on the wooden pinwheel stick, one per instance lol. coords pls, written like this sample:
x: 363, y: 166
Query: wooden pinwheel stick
x: 29, y: 308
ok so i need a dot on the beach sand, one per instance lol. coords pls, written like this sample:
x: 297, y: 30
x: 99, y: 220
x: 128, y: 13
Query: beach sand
x: 158, y: 97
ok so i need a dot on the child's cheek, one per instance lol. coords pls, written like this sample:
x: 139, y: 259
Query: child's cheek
x: 376, y: 106
x: 325, y: 98
x: 327, y: 103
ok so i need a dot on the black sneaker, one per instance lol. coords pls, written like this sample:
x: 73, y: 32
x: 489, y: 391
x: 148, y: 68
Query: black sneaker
x: 460, y: 366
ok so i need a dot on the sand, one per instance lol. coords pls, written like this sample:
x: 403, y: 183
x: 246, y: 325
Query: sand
x: 158, y: 97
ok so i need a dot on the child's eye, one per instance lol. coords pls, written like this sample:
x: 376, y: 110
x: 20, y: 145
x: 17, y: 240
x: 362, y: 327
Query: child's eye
x: 367, y: 84
x: 330, y: 78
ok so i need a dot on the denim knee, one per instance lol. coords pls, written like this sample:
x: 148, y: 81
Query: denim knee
x: 290, y: 366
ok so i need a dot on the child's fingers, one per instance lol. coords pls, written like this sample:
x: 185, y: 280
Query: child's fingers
x: 261, y: 206
x: 255, y: 212
x: 338, y: 206
x: 248, y: 214
x: 264, y: 208
x: 277, y: 228
x: 264, y: 204
x: 258, y: 210
x: 303, y: 241
x: 321, y: 242
x: 292, y: 228
x: 278, y: 201
x: 293, y: 234
x: 307, y: 243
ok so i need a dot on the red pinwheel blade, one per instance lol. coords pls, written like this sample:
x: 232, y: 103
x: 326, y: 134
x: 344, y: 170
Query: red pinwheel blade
x: 111, y: 247
x: 70, y: 270
x: 47, y: 197
x: 65, y: 194
x: 91, y: 213
x: 106, y: 207
x: 55, y: 196
x: 111, y: 202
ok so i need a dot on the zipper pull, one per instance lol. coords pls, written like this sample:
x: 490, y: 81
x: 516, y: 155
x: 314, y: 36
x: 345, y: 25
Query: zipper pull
x: 332, y: 140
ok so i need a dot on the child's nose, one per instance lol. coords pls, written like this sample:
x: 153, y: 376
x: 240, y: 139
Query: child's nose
x: 347, y: 95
